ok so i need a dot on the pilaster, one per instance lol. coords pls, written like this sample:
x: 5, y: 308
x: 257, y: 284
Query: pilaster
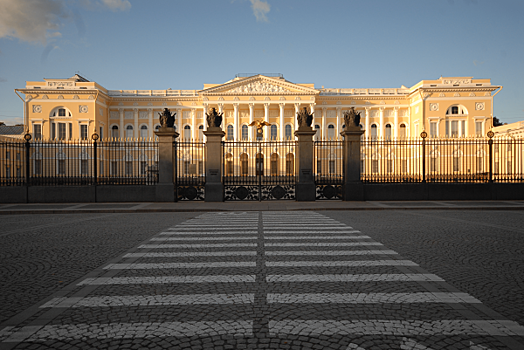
x: 214, y: 186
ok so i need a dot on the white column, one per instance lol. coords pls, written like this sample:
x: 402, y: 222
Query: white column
x: 395, y: 118
x: 281, y: 121
x: 382, y: 126
x: 193, y: 124
x: 324, y: 124
x: 135, y: 127
x: 179, y: 113
x: 121, y: 131
x: 337, y: 135
x: 236, y: 122
x: 151, y: 126
x: 368, y: 124
x: 204, y: 116
x: 221, y: 109
x: 266, y: 119
x: 251, y: 118
x: 294, y: 120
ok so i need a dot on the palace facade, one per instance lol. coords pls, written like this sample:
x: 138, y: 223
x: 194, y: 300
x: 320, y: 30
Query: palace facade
x: 75, y: 108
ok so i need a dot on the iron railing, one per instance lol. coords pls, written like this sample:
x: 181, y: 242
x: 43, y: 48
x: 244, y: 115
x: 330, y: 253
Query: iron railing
x: 450, y: 160
x: 80, y: 162
x: 328, y: 162
x: 190, y: 170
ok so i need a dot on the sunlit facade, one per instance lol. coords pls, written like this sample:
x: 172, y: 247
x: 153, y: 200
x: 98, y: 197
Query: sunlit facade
x: 75, y: 108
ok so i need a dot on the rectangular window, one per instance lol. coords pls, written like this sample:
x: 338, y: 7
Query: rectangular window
x: 478, y: 128
x: 129, y: 168
x: 433, y: 129
x: 70, y: 131
x: 38, y: 167
x: 463, y: 128
x: 61, y: 112
x: 83, y: 167
x: 454, y: 128
x: 374, y: 166
x: 101, y: 132
x: 83, y: 132
x: 37, y: 131
x: 61, y: 167
x: 114, y: 168
x: 456, y: 164
x: 331, y: 167
x: 53, y: 131
x: 143, y: 167
x: 61, y: 131
x: 433, y: 164
x: 480, y: 165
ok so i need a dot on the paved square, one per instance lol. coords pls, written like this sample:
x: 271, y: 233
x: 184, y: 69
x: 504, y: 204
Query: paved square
x: 261, y: 280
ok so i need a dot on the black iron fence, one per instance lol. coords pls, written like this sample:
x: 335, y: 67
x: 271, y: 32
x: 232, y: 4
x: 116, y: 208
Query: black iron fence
x: 328, y: 169
x: 259, y: 170
x: 442, y: 160
x: 190, y: 170
x: 82, y: 162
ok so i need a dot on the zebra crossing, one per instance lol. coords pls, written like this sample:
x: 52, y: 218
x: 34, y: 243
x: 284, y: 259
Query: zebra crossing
x: 250, y: 279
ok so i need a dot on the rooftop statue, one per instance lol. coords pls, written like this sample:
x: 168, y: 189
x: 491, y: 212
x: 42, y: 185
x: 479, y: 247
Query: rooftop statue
x: 352, y: 118
x: 304, y: 118
x: 214, y: 119
x: 167, y: 120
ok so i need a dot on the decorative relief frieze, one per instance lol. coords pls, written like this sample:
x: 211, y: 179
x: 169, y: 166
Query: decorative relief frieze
x: 479, y: 106
x: 45, y: 97
x: 472, y: 94
x: 82, y: 109
x: 456, y: 94
x: 442, y: 94
x: 143, y: 115
x: 128, y: 115
x: 257, y: 87
x: 60, y: 97
x: 150, y: 104
x: 164, y: 103
x: 121, y: 104
x: 135, y: 104
x: 456, y: 81
x: 60, y: 84
x: 76, y: 97
x: 487, y: 94
x: 433, y: 107
x: 91, y: 97
x: 37, y: 109
x: 114, y: 115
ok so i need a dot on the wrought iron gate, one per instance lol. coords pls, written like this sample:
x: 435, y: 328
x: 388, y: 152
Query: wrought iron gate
x: 259, y: 170
x: 190, y: 170
x: 329, y: 169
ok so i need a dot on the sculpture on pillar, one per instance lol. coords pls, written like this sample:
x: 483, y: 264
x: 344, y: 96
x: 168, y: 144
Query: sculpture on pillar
x: 167, y: 120
x: 352, y: 118
x: 304, y: 118
x: 214, y: 119
x: 259, y: 125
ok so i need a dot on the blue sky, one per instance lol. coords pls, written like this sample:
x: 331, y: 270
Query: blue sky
x: 160, y: 44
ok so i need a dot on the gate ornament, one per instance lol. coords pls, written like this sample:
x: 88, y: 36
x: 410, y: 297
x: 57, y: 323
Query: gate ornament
x: 352, y: 118
x: 304, y: 118
x: 214, y: 119
x: 167, y: 120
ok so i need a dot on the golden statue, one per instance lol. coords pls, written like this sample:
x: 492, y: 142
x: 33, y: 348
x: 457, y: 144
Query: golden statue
x: 259, y: 124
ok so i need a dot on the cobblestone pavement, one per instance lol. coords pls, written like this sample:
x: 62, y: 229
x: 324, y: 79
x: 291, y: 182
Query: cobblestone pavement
x: 277, y: 280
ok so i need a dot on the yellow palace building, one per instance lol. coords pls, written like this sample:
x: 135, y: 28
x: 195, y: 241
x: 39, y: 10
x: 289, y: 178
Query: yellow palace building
x: 75, y: 108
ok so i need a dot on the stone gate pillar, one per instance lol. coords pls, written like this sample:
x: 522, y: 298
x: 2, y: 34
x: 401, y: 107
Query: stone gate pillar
x: 353, y: 187
x: 214, y: 187
x: 305, y: 185
x: 165, y: 189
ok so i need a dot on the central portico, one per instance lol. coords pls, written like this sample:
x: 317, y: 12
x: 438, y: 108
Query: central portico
x: 271, y: 99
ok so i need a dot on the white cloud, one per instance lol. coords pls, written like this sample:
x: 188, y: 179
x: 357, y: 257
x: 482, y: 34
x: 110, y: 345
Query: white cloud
x: 38, y: 20
x: 31, y: 20
x: 260, y: 9
x: 117, y: 5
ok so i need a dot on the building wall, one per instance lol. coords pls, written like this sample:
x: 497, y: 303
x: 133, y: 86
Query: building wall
x: 422, y: 107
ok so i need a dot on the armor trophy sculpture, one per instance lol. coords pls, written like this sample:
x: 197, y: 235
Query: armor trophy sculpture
x: 214, y: 119
x: 167, y: 120
x: 304, y: 118
x: 352, y: 119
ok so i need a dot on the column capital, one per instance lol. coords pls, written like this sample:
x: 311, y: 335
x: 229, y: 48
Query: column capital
x: 251, y: 105
x: 235, y: 105
x: 121, y: 109
x: 205, y: 105
x: 266, y: 105
x: 281, y: 105
x: 297, y: 105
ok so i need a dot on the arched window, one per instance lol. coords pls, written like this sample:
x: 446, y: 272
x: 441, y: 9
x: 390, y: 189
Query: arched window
x: 229, y: 164
x: 290, y: 164
x: 331, y: 132
x: 245, y: 133
x: 259, y: 164
x: 373, y: 133
x: 274, y: 132
x: 287, y: 132
x: 114, y: 132
x: 143, y: 132
x: 402, y: 131
x: 274, y: 164
x: 129, y: 131
x: 229, y: 135
x: 60, y: 112
x: 201, y: 132
x: 388, y: 132
x: 318, y: 135
x: 457, y: 110
x: 187, y: 132
x: 244, y: 164
x: 456, y: 161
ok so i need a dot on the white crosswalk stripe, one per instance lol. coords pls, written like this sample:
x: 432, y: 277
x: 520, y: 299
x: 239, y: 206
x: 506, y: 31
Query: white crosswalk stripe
x: 223, y: 275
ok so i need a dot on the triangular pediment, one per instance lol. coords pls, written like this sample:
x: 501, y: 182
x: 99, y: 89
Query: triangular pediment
x: 259, y: 85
